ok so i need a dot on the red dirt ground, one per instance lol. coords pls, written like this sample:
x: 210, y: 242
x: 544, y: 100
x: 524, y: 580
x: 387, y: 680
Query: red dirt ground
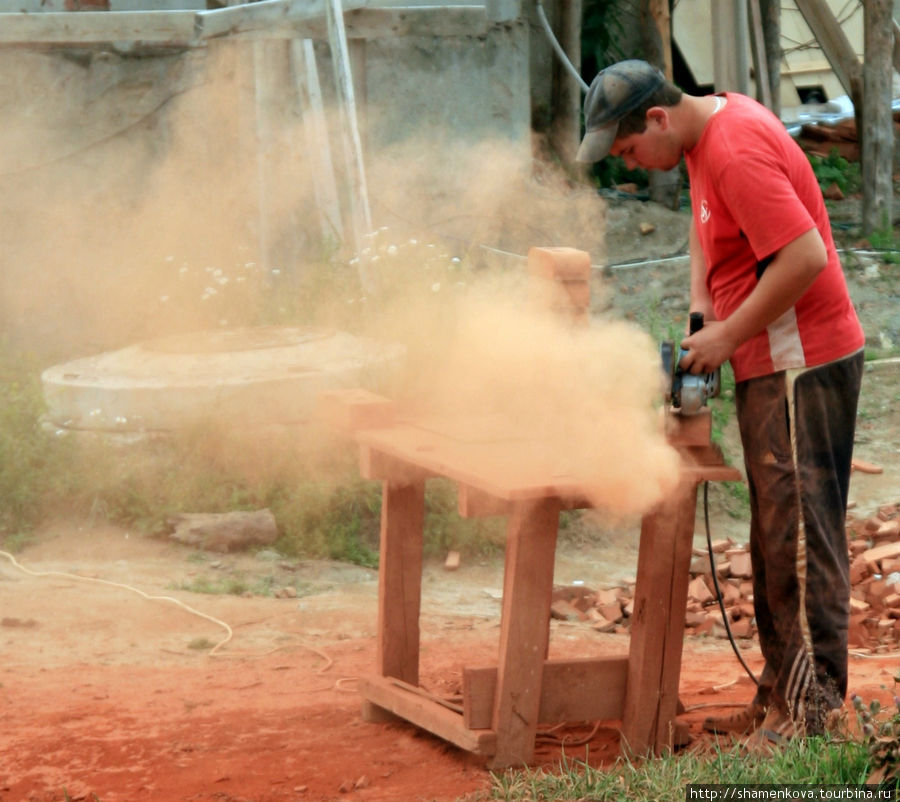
x: 101, y: 695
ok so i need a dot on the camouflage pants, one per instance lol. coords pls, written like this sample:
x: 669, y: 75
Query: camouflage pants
x: 797, y: 430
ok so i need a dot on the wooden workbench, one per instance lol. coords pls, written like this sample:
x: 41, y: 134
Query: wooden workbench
x: 504, y: 704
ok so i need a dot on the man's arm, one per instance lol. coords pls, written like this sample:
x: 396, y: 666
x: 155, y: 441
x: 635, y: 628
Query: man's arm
x: 700, y: 300
x: 788, y: 276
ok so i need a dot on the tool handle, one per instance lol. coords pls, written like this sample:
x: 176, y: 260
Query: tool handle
x: 696, y: 322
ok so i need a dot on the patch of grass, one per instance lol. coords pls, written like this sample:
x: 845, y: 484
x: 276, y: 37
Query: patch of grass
x: 236, y: 585
x: 818, y: 761
x: 33, y: 463
x: 310, y: 483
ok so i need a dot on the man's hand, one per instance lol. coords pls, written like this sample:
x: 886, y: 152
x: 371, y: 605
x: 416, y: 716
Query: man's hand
x: 790, y: 274
x: 707, y: 348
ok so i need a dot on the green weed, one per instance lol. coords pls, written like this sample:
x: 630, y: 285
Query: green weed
x: 835, y: 169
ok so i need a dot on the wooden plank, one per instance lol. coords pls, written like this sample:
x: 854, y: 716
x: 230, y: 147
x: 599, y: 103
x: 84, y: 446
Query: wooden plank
x: 688, y: 430
x: 524, y: 628
x: 354, y: 409
x: 400, y: 580
x: 657, y: 624
x: 427, y: 714
x: 587, y: 689
x: 375, y: 464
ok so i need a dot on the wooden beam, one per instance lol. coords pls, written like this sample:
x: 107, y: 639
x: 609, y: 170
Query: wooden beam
x: 586, y: 689
x: 835, y: 45
x: 431, y: 715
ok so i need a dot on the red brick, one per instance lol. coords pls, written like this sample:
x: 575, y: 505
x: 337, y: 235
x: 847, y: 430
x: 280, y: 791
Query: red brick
x: 560, y: 263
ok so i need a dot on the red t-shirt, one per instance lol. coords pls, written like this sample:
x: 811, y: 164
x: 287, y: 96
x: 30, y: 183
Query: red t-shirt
x: 753, y: 191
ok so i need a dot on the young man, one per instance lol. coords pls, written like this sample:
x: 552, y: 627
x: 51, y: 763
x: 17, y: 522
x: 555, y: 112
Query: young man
x: 766, y: 276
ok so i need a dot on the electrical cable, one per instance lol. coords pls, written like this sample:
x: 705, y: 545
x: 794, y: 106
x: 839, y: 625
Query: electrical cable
x: 719, y: 598
x: 229, y: 632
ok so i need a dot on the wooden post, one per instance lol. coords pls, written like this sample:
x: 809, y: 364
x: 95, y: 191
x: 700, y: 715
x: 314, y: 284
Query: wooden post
x: 770, y: 16
x: 896, y: 52
x: 878, y: 126
x: 568, y: 103
x: 524, y: 628
x: 760, y: 62
x: 665, y: 185
x: 730, y: 63
x: 657, y: 625
x: 400, y: 580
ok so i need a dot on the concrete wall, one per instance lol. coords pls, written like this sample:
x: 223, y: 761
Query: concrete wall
x: 127, y: 180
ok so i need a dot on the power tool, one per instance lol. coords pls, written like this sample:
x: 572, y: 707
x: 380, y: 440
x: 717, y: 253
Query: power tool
x: 687, y: 392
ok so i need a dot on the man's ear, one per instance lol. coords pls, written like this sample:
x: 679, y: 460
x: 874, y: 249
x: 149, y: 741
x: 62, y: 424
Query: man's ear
x: 659, y: 116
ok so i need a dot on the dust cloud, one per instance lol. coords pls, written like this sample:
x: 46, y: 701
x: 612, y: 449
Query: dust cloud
x: 139, y: 199
x: 500, y: 367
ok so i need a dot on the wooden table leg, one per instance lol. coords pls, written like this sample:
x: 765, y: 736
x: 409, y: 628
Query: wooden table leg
x: 657, y: 626
x: 524, y: 628
x: 400, y: 579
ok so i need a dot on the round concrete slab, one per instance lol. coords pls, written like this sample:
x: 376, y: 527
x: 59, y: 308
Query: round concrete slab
x: 248, y: 376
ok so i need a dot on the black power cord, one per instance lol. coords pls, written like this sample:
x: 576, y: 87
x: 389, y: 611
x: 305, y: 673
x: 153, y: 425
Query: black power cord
x: 719, y: 598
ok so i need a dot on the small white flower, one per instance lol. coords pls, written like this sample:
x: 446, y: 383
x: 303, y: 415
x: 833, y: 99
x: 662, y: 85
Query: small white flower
x: 276, y: 271
x: 436, y: 287
x: 456, y: 260
x: 414, y: 242
x: 223, y: 280
x: 392, y: 250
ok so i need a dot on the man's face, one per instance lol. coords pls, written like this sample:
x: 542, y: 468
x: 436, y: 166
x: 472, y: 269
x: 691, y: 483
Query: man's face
x: 655, y: 148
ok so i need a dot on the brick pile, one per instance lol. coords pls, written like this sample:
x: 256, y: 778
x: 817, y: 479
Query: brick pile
x: 874, y: 548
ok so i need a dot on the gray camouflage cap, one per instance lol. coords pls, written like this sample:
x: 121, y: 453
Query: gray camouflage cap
x: 617, y: 90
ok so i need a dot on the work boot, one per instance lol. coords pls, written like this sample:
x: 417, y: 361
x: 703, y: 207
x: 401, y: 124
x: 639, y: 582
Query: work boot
x: 744, y: 721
